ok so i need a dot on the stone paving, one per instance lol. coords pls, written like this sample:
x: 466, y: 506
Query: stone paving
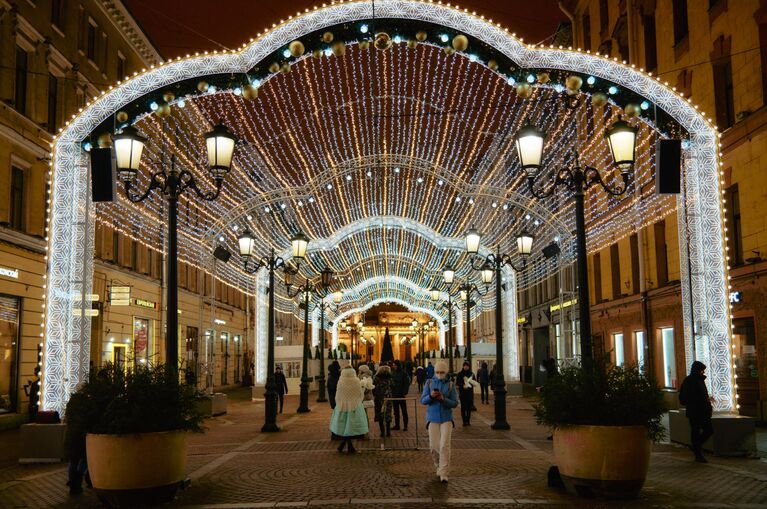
x: 233, y: 465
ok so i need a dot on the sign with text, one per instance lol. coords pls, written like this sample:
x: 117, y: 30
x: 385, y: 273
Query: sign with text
x: 119, y: 295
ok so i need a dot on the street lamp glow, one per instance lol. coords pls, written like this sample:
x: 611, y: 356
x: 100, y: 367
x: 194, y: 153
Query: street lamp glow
x: 298, y: 244
x: 529, y: 142
x: 622, y: 139
x: 487, y: 273
x: 449, y: 275
x: 325, y: 277
x: 434, y: 294
x: 414, y: 323
x: 128, y: 148
x: 338, y: 296
x: 464, y: 295
x: 472, y: 241
x: 220, y: 143
x: 524, y: 244
x: 247, y: 243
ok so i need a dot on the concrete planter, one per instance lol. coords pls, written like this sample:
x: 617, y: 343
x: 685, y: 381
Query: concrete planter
x: 137, y: 470
x: 608, y: 461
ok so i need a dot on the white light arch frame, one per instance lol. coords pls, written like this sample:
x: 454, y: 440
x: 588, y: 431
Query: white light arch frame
x: 70, y: 225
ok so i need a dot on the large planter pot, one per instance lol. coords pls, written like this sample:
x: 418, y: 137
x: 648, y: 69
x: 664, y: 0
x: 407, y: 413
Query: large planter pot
x: 607, y: 461
x: 136, y: 470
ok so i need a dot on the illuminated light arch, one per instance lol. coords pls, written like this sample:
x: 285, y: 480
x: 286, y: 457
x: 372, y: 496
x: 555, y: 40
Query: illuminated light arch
x: 69, y: 276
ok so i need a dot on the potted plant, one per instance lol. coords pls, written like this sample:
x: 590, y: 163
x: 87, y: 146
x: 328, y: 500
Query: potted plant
x: 605, y: 419
x: 135, y: 423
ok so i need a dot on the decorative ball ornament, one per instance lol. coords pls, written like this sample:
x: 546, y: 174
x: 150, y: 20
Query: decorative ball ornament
x: 296, y: 48
x: 492, y: 65
x: 122, y: 116
x: 383, y: 41
x: 327, y: 37
x: 104, y: 140
x: 524, y: 90
x: 339, y: 48
x: 598, y: 100
x: 168, y: 96
x: 275, y: 67
x: 449, y: 50
x: 203, y: 86
x: 412, y: 43
x: 365, y: 44
x: 249, y: 92
x: 573, y: 84
x: 460, y: 42
x: 632, y: 110
x: 285, y: 67
x: 163, y: 110
x: 543, y: 77
x: 317, y: 53
x: 421, y: 36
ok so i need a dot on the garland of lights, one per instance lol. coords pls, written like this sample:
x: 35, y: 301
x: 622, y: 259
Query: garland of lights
x: 65, y: 364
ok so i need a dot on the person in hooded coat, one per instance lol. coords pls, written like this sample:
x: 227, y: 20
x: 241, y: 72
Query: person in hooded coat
x: 348, y: 420
x: 693, y: 394
x: 483, y: 377
x: 440, y: 397
x: 334, y: 372
x: 401, y: 380
x: 384, y: 388
x: 420, y: 377
x: 429, y: 370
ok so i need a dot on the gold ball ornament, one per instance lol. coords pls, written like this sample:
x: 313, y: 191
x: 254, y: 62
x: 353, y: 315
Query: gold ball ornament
x: 524, y: 90
x: 285, y: 67
x: 122, y: 116
x: 412, y: 43
x: 168, y: 96
x: 317, y: 53
x: 632, y: 110
x: 163, y: 110
x: 573, y: 84
x: 364, y: 44
x: 383, y: 41
x: 492, y: 65
x: 598, y: 100
x: 104, y: 140
x: 327, y: 37
x: 203, y: 86
x: 460, y: 42
x: 339, y: 48
x: 449, y: 50
x: 249, y: 92
x: 296, y: 48
x: 421, y: 36
x: 275, y: 67
x: 543, y: 77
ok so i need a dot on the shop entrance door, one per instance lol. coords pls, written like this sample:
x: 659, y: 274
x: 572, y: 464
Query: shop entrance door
x: 744, y: 348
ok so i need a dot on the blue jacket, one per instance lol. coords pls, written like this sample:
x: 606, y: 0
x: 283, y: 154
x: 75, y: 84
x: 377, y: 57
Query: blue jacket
x: 439, y: 411
x: 430, y: 371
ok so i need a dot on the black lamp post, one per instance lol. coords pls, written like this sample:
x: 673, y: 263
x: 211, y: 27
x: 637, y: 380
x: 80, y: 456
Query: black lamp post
x: 307, y: 290
x: 577, y: 179
x: 337, y: 297
x: 448, y: 274
x: 492, y: 266
x: 299, y: 243
x: 172, y: 183
x: 466, y: 290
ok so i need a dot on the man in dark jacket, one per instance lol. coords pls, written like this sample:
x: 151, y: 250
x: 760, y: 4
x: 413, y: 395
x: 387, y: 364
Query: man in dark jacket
x: 694, y: 396
x: 420, y: 377
x: 401, y: 382
x: 281, y: 383
x: 334, y: 373
x: 483, y: 377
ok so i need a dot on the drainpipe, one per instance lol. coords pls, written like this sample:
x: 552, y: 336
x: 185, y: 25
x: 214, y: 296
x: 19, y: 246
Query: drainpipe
x: 571, y: 17
x: 633, y: 26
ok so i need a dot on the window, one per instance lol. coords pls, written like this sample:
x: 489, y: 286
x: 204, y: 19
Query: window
x: 142, y: 340
x: 680, y: 20
x: 53, y: 86
x: 22, y: 66
x: 10, y: 308
x: 661, y: 256
x: 586, y: 21
x: 597, y: 278
x: 57, y: 13
x: 615, y: 270
x: 620, y: 354
x: 115, y: 246
x: 90, y: 41
x: 120, y: 66
x: 559, y: 343
x: 640, y: 346
x: 17, y: 221
x: 735, y: 235
x: 225, y: 358
x: 604, y: 14
x: 669, y: 358
x: 650, y: 43
x: 761, y: 18
x: 634, y: 243
x: 723, y: 92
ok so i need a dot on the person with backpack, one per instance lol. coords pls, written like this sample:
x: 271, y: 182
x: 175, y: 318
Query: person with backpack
x: 693, y: 394
x: 440, y: 397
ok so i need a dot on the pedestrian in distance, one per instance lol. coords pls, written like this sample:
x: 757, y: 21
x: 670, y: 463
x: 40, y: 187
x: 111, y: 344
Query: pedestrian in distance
x: 334, y: 373
x: 694, y: 396
x: 483, y: 377
x: 440, y: 397
x: 401, y: 380
x: 282, y: 385
x: 384, y: 389
x: 465, y: 382
x: 429, y: 370
x: 348, y: 420
x: 420, y: 377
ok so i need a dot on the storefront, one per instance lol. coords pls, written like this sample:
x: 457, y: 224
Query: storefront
x: 10, y: 313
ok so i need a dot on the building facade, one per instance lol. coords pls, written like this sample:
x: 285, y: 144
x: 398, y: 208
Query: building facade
x: 714, y: 52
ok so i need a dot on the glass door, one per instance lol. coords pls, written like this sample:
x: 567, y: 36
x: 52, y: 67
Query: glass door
x: 224, y: 358
x: 744, y: 348
x: 9, y: 352
x: 669, y: 358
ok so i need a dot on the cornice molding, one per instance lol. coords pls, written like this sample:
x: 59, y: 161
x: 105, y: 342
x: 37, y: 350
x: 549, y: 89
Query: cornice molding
x: 125, y: 23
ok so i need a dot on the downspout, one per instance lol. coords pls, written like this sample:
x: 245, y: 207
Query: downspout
x: 571, y: 17
x: 631, y: 17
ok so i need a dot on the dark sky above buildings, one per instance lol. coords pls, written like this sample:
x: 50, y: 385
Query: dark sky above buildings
x: 178, y: 27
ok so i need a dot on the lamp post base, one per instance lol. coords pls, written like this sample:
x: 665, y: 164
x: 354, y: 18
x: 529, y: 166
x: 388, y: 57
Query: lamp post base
x: 321, y: 396
x: 270, y: 412
x: 303, y: 404
x: 500, y: 408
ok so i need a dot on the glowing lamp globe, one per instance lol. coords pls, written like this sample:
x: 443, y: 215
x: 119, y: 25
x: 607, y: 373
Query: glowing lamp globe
x: 220, y: 143
x: 622, y: 139
x: 529, y: 142
x: 472, y: 241
x: 128, y: 148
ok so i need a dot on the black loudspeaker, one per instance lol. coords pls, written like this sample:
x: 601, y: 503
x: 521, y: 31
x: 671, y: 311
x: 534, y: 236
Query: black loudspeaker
x: 222, y: 254
x: 668, y: 166
x: 551, y: 250
x: 102, y: 175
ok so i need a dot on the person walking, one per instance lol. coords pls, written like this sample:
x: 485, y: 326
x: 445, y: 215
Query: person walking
x: 384, y: 388
x: 429, y: 371
x: 465, y: 382
x: 334, y: 373
x: 348, y: 420
x: 282, y: 385
x: 440, y: 396
x: 694, y: 396
x: 483, y: 377
x: 420, y: 377
x: 401, y: 380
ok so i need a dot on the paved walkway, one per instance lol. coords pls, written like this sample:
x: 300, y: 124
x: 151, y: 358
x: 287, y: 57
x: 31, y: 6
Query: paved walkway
x: 233, y: 465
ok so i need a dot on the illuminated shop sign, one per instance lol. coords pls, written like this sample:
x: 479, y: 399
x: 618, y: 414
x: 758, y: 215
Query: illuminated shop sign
x: 735, y: 297
x: 145, y: 303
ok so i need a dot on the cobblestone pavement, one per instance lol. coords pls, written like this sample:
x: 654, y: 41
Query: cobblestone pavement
x: 233, y: 465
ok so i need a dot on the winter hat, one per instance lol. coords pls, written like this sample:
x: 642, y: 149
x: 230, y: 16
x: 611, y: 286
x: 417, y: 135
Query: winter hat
x: 697, y: 368
x: 441, y: 366
x: 348, y: 372
x: 363, y: 369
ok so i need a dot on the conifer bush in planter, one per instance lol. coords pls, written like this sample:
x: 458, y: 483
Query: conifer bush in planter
x: 604, y: 419
x: 136, y: 424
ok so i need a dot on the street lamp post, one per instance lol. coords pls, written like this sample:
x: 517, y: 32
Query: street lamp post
x: 129, y: 146
x: 448, y: 275
x: 492, y: 266
x: 299, y: 243
x: 466, y: 291
x: 577, y: 179
x: 337, y: 297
